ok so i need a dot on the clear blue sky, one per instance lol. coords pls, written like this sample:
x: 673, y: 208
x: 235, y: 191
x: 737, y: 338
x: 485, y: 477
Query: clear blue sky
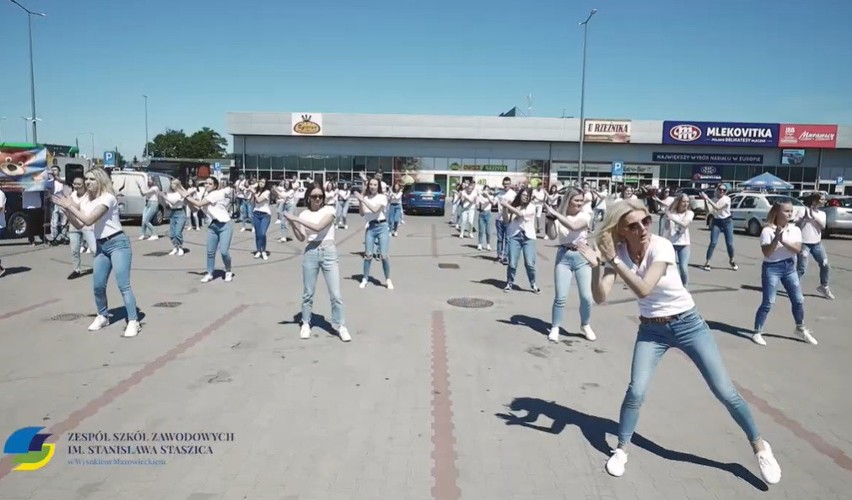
x: 732, y: 60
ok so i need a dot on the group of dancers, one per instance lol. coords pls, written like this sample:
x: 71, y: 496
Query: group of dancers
x: 622, y: 246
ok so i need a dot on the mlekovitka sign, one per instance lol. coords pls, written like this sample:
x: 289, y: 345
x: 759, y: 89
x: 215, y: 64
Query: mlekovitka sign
x: 720, y: 133
x: 719, y: 158
x: 607, y: 131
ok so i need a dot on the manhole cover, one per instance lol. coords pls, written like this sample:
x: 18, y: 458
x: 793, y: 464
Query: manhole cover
x: 447, y: 265
x: 168, y: 304
x: 470, y: 302
x: 156, y: 254
x: 66, y: 317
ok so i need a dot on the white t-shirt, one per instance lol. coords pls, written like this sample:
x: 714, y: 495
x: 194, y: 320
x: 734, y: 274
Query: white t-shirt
x: 327, y: 234
x: 791, y: 235
x: 2, y: 209
x: 109, y: 223
x: 241, y: 186
x: 261, y: 203
x: 484, y: 203
x: 810, y: 232
x: 508, y: 197
x: 587, y: 202
x: 218, y: 207
x: 395, y: 198
x: 676, y: 233
x: 379, y: 215
x: 602, y: 195
x: 538, y: 196
x: 330, y: 197
x: 667, y: 201
x: 153, y: 195
x: 525, y: 223
x: 570, y: 237
x: 723, y: 207
x: 174, y: 200
x: 468, y: 200
x: 669, y: 297
x: 83, y: 202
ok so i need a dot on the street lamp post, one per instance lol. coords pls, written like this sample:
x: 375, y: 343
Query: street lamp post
x: 585, y: 25
x: 30, y: 15
x: 146, y: 126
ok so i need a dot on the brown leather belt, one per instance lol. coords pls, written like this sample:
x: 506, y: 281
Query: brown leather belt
x: 662, y: 320
x: 570, y: 247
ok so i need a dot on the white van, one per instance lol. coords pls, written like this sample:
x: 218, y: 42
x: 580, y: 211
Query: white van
x: 131, y: 203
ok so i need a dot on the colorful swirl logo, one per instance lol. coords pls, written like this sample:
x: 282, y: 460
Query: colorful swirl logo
x: 29, y: 449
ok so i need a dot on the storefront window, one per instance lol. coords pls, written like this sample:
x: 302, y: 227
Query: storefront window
x: 332, y: 163
x: 373, y: 164
x: 442, y: 164
x: 427, y: 163
x: 277, y: 163
x: 251, y: 162
x: 784, y: 173
x: 809, y: 174
x: 345, y: 164
x: 360, y: 164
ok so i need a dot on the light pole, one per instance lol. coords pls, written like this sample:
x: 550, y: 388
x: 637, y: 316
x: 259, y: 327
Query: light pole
x: 585, y: 25
x: 146, y: 126
x: 30, y: 15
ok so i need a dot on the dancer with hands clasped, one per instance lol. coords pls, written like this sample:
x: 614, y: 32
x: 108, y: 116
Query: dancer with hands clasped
x: 627, y: 249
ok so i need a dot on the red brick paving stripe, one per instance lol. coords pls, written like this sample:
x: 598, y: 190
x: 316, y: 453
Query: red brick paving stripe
x: 102, y: 401
x: 27, y: 309
x: 444, y: 470
x: 819, y: 444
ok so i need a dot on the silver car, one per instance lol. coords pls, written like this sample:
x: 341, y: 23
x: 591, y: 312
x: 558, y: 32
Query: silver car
x: 838, y: 215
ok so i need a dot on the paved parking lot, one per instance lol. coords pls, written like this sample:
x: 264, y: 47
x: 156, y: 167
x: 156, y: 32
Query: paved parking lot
x: 429, y: 400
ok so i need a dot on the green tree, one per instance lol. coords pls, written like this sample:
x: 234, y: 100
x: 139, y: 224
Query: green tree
x: 205, y: 143
x: 169, y: 144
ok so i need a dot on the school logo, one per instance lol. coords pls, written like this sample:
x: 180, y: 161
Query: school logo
x: 28, y: 448
x: 306, y: 126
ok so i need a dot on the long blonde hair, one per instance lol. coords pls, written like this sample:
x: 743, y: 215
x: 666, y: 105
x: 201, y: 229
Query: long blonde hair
x: 613, y: 217
x: 676, y: 203
x: 102, y: 180
x: 773, y: 213
x: 570, y: 193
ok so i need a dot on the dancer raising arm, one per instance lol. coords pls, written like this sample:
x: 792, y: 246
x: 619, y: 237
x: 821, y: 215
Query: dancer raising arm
x: 668, y: 318
x: 219, y: 231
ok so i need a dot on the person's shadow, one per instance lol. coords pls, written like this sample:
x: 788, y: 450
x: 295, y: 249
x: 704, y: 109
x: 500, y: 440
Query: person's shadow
x: 595, y: 430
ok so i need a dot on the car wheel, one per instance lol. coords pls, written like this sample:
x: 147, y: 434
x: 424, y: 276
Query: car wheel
x: 158, y: 217
x: 754, y: 227
x: 18, y: 225
x: 441, y: 212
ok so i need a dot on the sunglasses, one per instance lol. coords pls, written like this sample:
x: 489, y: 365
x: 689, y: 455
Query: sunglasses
x: 637, y: 226
x: 317, y: 196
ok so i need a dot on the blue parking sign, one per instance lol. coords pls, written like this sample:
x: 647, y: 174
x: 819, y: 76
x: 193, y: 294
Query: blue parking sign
x: 840, y: 181
x: 617, y: 170
x: 109, y: 159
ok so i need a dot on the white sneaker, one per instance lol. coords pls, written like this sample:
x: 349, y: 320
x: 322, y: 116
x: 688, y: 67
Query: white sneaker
x: 174, y: 251
x: 390, y: 284
x: 278, y: 221
x: 142, y: 237
x: 615, y: 464
x: 242, y: 230
x: 133, y: 329
x: 825, y: 292
x: 305, y: 331
x: 546, y: 238
x: 265, y: 255
x: 554, y: 334
x: 180, y: 251
x: 757, y: 338
x: 257, y: 255
x: 98, y: 323
x: 769, y: 468
x: 153, y: 237
x: 229, y: 277
x: 488, y: 247
x: 461, y: 235
x: 346, y: 226
x: 207, y: 278
x: 282, y: 240
x: 479, y: 247
x: 363, y: 284
x: 344, y: 334
x: 588, y: 332
x: 802, y: 331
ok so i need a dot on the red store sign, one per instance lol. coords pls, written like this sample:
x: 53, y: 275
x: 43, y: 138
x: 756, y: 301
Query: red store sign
x: 807, y: 136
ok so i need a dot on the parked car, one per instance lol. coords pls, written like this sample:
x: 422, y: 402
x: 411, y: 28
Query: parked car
x: 19, y: 224
x: 838, y: 215
x: 423, y: 197
x: 696, y: 204
x: 749, y: 210
x: 131, y: 203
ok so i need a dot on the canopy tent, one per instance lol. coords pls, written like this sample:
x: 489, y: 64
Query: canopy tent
x: 766, y: 181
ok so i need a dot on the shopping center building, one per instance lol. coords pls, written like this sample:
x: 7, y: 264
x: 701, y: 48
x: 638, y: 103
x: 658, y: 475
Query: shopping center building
x: 446, y: 149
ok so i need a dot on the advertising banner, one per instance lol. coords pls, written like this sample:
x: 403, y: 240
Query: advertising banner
x: 724, y: 158
x: 616, y: 131
x: 23, y: 169
x: 720, y: 133
x: 306, y: 123
x: 808, y: 136
x: 706, y: 173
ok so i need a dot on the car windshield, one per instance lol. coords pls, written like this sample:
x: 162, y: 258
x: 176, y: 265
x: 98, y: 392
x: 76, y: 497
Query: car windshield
x: 426, y: 186
x: 784, y: 199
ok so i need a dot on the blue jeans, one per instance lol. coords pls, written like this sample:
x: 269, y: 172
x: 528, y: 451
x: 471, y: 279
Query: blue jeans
x: 376, y: 232
x: 502, y: 244
x: 682, y: 253
x: 260, y: 221
x: 147, y: 216
x: 395, y: 215
x: 245, y: 211
x: 114, y: 253
x: 783, y: 272
x: 342, y: 212
x: 219, y: 236
x: 484, y: 223
x: 568, y: 263
x: 177, y: 223
x: 818, y: 251
x: 285, y: 224
x: 518, y: 244
x: 77, y: 238
x: 58, y: 219
x: 323, y: 259
x: 725, y: 226
x: 690, y: 334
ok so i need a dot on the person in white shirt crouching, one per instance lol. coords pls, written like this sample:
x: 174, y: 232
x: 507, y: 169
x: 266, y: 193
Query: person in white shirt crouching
x: 668, y: 318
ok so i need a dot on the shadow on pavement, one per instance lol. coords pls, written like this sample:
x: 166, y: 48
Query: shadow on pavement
x: 16, y: 270
x: 595, y: 430
x: 729, y: 329
x: 317, y: 320
x: 491, y: 281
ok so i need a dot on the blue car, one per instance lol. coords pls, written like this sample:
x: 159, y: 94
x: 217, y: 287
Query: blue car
x: 423, y: 197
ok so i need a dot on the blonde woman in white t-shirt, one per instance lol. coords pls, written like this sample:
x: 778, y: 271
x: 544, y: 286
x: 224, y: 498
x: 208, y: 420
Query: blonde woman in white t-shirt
x: 668, y: 318
x: 177, y: 215
x: 316, y: 226
x: 677, y: 218
x: 113, y: 253
x: 219, y: 231
x: 151, y: 195
x: 781, y: 243
x: 722, y: 224
x: 79, y: 237
x: 374, y: 208
x: 572, y: 222
x: 812, y: 226
x: 521, y: 236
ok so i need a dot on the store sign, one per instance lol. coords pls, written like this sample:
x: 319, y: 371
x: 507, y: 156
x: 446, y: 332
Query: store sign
x: 808, y: 136
x: 706, y: 173
x: 480, y: 168
x: 616, y: 131
x: 720, y: 133
x: 306, y: 123
x: 724, y: 158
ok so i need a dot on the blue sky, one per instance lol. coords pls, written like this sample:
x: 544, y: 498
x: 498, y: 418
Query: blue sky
x: 726, y: 60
